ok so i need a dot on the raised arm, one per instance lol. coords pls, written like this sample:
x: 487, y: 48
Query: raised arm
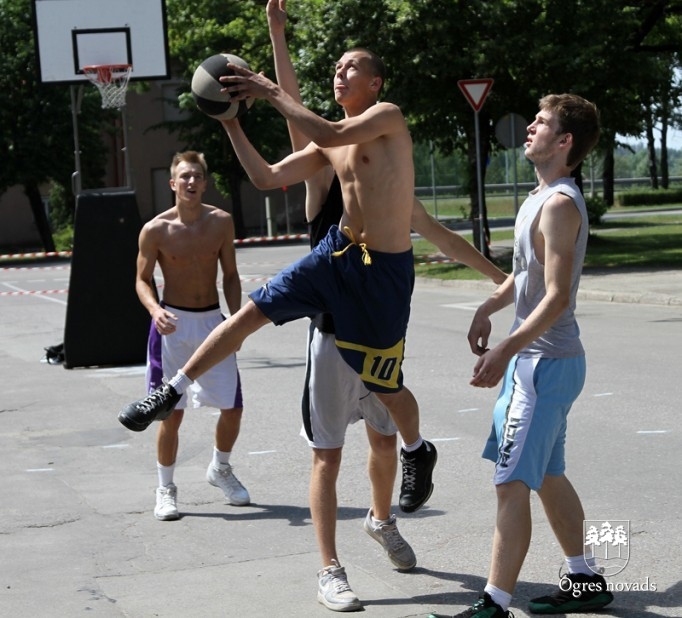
x: 378, y: 120
x: 292, y: 169
x: 317, y: 185
x: 284, y: 69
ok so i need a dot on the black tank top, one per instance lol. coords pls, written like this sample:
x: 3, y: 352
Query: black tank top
x: 330, y: 214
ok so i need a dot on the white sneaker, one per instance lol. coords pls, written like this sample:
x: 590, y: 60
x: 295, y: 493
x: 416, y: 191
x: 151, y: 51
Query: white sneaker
x: 235, y: 492
x: 166, y: 503
x: 333, y: 590
x: 398, y: 549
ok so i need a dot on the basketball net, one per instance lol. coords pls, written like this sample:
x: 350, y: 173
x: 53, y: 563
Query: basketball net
x: 111, y: 81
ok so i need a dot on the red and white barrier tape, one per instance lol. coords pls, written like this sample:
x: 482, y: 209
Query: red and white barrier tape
x: 45, y: 292
x: 238, y: 241
x: 33, y: 292
x: 37, y: 254
x: 15, y: 268
x: 261, y: 239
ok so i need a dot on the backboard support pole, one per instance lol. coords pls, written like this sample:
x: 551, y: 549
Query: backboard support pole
x: 76, y: 180
x: 126, y: 150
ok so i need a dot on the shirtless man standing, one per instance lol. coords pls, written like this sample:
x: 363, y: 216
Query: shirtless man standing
x: 188, y: 241
x: 362, y: 272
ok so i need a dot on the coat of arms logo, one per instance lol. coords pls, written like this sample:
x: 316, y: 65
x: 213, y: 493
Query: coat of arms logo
x: 608, y: 542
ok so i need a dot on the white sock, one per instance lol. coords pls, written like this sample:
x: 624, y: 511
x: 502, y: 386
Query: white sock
x: 580, y: 564
x: 502, y: 598
x: 180, y: 382
x: 221, y: 459
x: 410, y: 448
x: 378, y: 522
x: 165, y: 474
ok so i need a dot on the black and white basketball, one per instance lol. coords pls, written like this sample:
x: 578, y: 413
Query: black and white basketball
x: 206, y: 88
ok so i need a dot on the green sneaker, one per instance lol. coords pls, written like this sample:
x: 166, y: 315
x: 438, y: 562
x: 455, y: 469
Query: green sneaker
x: 577, y: 593
x: 485, y: 607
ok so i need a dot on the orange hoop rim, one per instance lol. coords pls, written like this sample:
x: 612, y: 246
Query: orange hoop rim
x: 111, y: 81
x: 113, y: 67
x: 104, y: 73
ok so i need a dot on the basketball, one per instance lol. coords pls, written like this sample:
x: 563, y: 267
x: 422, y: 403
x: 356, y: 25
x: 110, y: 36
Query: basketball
x: 206, y: 88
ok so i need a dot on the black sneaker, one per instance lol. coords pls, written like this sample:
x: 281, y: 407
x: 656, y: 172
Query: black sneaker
x: 418, y: 467
x: 156, y: 406
x: 485, y: 607
x: 585, y: 593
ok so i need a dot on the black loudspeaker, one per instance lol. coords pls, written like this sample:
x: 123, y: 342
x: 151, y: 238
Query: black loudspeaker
x: 105, y: 322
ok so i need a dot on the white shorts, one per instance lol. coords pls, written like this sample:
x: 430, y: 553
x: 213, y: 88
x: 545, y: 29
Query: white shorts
x: 334, y: 396
x: 219, y: 387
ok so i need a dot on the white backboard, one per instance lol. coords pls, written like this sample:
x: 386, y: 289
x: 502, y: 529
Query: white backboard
x: 71, y: 34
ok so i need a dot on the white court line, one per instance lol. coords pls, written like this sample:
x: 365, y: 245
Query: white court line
x: 443, y: 439
x: 602, y: 395
x: 465, y: 306
x: 40, y: 470
x: 650, y: 431
x: 116, y: 446
x: 126, y: 370
x: 261, y: 452
x: 469, y: 410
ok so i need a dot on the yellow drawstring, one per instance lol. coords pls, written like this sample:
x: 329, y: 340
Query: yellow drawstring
x: 366, y: 257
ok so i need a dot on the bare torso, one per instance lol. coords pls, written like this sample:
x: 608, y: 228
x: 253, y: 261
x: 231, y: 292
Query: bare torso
x: 188, y: 254
x: 377, y: 181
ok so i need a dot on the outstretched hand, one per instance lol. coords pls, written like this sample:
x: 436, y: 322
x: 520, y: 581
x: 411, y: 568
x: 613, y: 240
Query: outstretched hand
x: 277, y: 15
x: 244, y: 84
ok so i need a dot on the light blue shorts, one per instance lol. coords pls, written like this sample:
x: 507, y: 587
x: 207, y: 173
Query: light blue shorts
x: 529, y: 421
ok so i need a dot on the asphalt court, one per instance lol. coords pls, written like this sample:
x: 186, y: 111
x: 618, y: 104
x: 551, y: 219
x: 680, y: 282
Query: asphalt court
x: 77, y: 534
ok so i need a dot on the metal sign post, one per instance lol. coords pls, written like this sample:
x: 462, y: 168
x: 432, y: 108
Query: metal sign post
x: 475, y: 91
x: 511, y: 132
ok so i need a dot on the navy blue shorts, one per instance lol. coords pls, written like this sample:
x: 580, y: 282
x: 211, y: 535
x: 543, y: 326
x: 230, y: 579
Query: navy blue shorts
x: 370, y: 304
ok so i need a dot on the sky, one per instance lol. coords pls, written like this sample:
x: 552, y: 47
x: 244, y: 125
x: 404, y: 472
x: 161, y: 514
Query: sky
x: 674, y: 139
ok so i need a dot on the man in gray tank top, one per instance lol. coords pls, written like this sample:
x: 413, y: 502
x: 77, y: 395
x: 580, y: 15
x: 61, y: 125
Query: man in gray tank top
x: 541, y: 364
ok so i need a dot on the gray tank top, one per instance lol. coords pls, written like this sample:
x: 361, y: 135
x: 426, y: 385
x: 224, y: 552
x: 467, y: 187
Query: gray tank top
x: 562, y: 339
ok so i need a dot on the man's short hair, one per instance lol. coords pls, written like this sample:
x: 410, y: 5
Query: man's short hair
x: 189, y: 156
x: 576, y: 116
x: 376, y: 63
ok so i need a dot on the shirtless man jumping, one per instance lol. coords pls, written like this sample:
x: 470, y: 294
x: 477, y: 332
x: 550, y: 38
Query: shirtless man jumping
x: 362, y: 272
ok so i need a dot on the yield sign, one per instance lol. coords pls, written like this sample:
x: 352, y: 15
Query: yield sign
x: 475, y: 90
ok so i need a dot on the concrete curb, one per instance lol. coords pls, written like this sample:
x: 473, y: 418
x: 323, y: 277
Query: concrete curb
x: 601, y: 295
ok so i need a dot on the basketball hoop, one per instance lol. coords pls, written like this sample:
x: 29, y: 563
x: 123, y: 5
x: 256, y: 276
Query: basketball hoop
x: 111, y: 81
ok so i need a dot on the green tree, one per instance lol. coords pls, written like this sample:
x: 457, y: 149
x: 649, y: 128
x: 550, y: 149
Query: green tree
x: 529, y: 47
x: 36, y: 121
x: 238, y: 28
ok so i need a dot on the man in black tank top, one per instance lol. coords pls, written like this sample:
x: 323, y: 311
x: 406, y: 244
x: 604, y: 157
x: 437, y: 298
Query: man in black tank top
x: 330, y: 214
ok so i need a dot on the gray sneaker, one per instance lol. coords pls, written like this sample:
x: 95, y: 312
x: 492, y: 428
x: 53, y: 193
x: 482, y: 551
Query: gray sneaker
x: 333, y: 590
x: 235, y: 492
x: 398, y: 549
x: 166, y: 508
